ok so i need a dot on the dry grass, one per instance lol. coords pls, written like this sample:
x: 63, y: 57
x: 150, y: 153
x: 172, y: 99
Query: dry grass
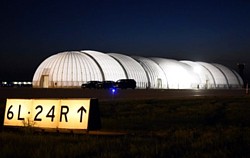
x: 206, y: 127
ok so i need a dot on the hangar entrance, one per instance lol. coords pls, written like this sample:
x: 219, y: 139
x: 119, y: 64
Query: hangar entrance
x: 45, y: 81
x: 159, y: 83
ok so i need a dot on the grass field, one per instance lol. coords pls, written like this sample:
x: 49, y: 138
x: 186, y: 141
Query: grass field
x: 204, y: 127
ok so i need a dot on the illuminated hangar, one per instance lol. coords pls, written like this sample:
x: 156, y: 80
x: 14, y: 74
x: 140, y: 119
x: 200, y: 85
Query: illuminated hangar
x: 73, y: 68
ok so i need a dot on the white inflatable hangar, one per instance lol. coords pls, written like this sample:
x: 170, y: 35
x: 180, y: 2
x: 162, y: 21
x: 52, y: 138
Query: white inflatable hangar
x: 73, y: 68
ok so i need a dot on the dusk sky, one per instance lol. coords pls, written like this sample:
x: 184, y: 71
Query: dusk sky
x: 216, y: 31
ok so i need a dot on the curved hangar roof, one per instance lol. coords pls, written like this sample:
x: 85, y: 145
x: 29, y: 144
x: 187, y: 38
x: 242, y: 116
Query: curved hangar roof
x: 71, y: 69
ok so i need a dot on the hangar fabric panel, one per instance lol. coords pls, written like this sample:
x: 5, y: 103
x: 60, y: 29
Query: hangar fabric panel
x: 109, y: 67
x: 220, y: 79
x: 156, y: 76
x: 67, y: 69
x: 133, y: 69
x: 73, y: 68
x: 179, y: 75
x: 232, y: 79
x: 205, y: 76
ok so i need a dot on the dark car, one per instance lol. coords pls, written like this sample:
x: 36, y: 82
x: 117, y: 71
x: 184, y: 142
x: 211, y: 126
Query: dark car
x: 125, y: 83
x: 91, y: 84
x: 106, y: 84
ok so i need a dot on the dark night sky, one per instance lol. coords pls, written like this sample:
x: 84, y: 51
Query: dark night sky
x: 210, y: 31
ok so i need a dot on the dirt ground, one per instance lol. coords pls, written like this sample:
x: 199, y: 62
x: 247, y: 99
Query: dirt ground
x: 119, y: 94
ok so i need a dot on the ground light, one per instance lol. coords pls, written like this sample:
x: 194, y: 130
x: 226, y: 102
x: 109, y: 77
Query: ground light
x: 113, y: 92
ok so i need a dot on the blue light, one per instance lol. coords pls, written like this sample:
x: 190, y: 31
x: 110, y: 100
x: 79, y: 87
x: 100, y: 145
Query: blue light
x: 113, y: 90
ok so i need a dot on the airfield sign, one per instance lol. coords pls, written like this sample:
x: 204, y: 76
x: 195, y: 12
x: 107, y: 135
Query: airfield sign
x: 53, y: 113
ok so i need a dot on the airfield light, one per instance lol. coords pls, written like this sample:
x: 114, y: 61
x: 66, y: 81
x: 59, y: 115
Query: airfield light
x: 113, y: 91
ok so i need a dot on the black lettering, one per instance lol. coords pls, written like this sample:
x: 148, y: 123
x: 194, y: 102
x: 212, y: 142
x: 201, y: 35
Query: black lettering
x: 52, y: 115
x: 64, y: 112
x: 81, y: 112
x: 36, y: 117
x: 10, y: 114
x: 19, y: 111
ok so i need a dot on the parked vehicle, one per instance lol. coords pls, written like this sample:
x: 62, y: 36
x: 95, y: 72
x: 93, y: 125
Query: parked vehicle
x: 125, y: 83
x: 91, y: 84
x: 106, y: 84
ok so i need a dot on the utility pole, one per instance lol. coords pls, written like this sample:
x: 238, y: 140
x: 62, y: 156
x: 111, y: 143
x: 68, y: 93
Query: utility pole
x: 241, y: 68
